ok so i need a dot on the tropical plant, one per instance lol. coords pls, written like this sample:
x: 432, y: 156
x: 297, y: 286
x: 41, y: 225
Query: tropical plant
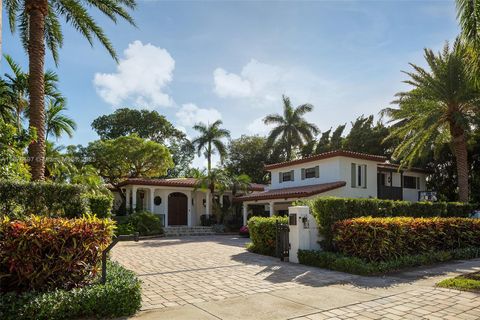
x: 17, y: 82
x: 56, y: 122
x: 439, y: 108
x: 468, y: 15
x: 210, y: 138
x: 291, y: 127
x: 7, y: 105
x: 39, y: 25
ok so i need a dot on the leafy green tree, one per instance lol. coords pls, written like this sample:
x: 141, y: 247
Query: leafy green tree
x: 438, y: 109
x: 336, y: 141
x: 368, y: 137
x: 39, y: 25
x: 291, y: 127
x: 323, y: 144
x: 248, y: 155
x: 148, y: 125
x: 56, y: 122
x: 7, y: 103
x: 12, y: 144
x: 210, y: 139
x: 128, y: 157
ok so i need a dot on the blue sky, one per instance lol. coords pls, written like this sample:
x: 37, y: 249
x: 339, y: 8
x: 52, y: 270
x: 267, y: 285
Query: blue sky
x: 200, y: 61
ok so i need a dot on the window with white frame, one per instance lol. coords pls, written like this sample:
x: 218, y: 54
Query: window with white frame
x: 358, y: 175
x: 286, y: 176
x: 410, y: 182
x: 313, y: 172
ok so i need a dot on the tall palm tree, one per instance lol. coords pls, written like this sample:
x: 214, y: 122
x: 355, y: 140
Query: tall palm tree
x: 438, y: 109
x: 39, y: 25
x: 56, y: 122
x: 291, y: 128
x: 210, y: 139
x: 468, y: 15
x: 7, y: 105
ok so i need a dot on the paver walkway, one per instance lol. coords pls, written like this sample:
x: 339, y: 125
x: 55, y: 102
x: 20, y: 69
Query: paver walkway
x: 214, y: 277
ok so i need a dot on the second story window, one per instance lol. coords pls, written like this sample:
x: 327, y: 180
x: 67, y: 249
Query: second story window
x: 359, y: 175
x: 286, y: 176
x: 313, y: 172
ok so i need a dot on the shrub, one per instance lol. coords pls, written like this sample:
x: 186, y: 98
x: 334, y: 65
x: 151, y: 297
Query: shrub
x: 339, y: 262
x: 120, y: 296
x: 22, y: 199
x: 100, y: 205
x: 328, y: 210
x: 41, y: 253
x: 380, y: 239
x: 143, y: 222
x: 263, y: 234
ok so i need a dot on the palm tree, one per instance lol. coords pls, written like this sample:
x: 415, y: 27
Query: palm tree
x: 468, y: 14
x: 56, y: 122
x: 18, y: 83
x: 210, y: 138
x: 7, y: 106
x: 438, y: 109
x: 39, y: 25
x: 291, y: 128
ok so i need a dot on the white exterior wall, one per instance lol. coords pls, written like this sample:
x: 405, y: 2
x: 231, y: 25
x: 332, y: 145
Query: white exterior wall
x: 346, y: 175
x: 329, y: 172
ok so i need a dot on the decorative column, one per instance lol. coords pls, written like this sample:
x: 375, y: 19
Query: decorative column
x: 272, y: 211
x: 127, y: 198
x: 245, y: 213
x: 166, y: 208
x: 152, y: 204
x: 208, y: 198
x: 134, y: 198
x: 189, y: 210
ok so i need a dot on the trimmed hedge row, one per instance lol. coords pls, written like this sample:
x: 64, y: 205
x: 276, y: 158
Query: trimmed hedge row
x: 120, y: 296
x: 339, y: 262
x: 101, y: 205
x: 143, y: 222
x: 381, y: 239
x: 22, y: 199
x: 263, y: 234
x: 328, y: 210
x: 41, y: 253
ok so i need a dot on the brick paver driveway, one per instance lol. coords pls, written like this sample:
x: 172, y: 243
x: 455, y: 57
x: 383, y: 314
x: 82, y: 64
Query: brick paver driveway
x: 214, y: 277
x: 179, y: 271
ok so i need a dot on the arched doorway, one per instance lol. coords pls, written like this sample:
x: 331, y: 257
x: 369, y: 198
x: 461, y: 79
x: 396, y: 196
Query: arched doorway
x: 177, y: 209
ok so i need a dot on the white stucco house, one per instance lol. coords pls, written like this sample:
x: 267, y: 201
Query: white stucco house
x: 177, y: 201
x: 337, y: 173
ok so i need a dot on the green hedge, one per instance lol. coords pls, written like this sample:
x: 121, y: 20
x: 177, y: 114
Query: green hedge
x: 21, y: 199
x: 328, y: 210
x: 339, y: 262
x: 100, y: 205
x: 263, y: 234
x: 143, y: 222
x: 120, y: 296
x: 381, y: 239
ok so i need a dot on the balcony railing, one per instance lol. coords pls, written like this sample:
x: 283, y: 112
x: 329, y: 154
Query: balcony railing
x: 391, y: 193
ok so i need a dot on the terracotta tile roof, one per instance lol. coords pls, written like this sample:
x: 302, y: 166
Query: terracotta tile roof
x: 174, y: 182
x: 392, y: 166
x: 295, y: 192
x: 326, y: 155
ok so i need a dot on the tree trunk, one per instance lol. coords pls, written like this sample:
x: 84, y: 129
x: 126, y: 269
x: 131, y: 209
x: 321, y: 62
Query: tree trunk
x: 209, y: 157
x: 461, y: 156
x: 37, y: 10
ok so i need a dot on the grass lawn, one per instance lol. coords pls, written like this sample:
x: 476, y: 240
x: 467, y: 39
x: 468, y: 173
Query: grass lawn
x: 468, y: 282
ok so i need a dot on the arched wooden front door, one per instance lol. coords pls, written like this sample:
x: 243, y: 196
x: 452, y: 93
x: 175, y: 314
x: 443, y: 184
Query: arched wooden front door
x: 177, y: 209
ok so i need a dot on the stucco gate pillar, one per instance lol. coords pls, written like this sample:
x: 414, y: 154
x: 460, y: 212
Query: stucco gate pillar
x: 303, y: 231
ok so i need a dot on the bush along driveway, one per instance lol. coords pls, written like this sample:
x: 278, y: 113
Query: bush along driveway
x: 217, y: 278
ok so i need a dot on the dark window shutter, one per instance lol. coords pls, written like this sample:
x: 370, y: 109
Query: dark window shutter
x: 354, y: 175
x: 317, y: 171
x: 303, y: 174
x: 365, y: 177
x: 280, y: 177
x: 418, y: 182
x: 292, y: 177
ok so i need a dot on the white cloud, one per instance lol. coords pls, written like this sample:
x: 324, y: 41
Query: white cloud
x: 189, y: 114
x: 264, y: 84
x: 141, y: 77
x: 258, y: 127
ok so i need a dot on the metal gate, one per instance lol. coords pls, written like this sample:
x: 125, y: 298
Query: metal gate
x: 282, y: 241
